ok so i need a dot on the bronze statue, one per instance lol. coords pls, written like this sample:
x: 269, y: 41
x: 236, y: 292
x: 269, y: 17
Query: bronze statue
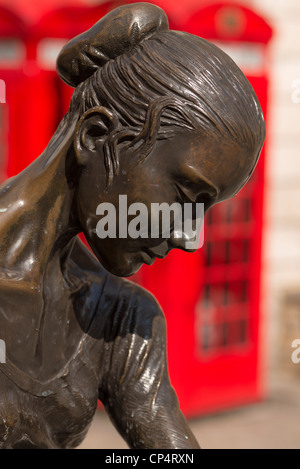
x: 160, y: 116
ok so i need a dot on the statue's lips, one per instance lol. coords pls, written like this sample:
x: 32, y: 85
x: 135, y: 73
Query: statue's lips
x: 149, y: 256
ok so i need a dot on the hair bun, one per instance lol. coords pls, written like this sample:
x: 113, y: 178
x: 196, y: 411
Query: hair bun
x: 114, y: 34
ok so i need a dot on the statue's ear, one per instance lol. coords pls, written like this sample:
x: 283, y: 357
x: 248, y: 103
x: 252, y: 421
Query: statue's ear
x: 91, y: 132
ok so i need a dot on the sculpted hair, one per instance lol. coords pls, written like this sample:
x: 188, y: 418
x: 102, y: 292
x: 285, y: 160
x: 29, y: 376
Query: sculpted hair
x: 172, y: 79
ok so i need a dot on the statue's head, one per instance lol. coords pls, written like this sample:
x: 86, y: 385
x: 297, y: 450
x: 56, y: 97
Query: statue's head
x: 162, y: 116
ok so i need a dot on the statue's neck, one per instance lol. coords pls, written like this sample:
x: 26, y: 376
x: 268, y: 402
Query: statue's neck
x: 36, y: 219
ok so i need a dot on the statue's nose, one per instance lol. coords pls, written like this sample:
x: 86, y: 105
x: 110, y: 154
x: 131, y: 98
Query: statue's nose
x: 182, y: 240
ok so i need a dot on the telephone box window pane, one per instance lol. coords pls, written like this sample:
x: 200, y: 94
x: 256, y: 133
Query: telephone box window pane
x: 239, y: 251
x: 236, y: 332
x: 213, y: 336
x: 220, y: 213
x: 218, y: 337
x: 249, y: 56
x: 12, y: 53
x: 216, y: 253
x: 48, y: 50
x: 240, y: 210
x: 238, y: 292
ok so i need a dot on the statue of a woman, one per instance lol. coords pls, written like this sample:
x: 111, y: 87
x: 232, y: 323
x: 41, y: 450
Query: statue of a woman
x: 158, y: 116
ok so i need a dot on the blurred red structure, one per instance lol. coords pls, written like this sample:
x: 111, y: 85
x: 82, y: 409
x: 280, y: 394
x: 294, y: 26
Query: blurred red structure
x: 32, y: 10
x: 37, y: 98
x: 210, y: 298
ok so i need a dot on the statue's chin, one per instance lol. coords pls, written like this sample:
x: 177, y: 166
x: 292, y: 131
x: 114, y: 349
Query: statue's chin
x: 122, y: 269
x: 119, y: 272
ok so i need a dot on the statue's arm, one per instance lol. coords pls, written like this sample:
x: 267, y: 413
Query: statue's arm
x: 135, y: 387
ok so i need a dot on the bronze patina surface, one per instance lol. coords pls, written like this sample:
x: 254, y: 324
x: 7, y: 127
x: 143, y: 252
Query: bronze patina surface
x: 157, y: 115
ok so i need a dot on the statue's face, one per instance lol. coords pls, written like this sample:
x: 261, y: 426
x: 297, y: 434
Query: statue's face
x: 186, y: 168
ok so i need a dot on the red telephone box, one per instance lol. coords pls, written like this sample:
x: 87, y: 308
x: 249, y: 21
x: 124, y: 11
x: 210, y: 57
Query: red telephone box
x: 36, y: 98
x: 211, y: 298
x: 28, y: 115
x: 50, y: 35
